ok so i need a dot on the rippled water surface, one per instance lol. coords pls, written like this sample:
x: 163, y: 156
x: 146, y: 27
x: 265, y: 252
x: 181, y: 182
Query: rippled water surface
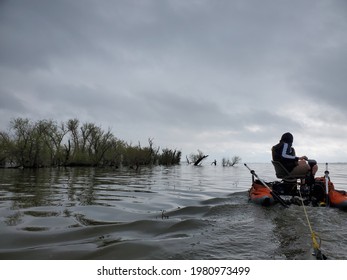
x: 179, y: 212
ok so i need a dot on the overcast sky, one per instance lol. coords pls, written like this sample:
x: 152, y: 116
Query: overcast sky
x: 227, y: 77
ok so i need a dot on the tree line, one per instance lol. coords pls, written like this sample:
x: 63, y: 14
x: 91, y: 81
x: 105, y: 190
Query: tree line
x: 47, y: 143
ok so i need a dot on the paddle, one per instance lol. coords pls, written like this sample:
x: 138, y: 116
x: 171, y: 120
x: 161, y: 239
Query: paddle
x: 276, y: 196
x: 326, y: 175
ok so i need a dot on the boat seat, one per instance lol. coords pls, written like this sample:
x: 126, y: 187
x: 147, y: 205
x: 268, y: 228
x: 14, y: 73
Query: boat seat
x: 284, y: 174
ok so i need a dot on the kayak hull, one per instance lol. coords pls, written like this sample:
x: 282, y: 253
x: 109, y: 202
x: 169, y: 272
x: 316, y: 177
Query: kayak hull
x: 338, y: 199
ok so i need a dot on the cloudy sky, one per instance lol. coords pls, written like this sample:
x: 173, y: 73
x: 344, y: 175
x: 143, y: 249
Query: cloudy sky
x: 227, y: 77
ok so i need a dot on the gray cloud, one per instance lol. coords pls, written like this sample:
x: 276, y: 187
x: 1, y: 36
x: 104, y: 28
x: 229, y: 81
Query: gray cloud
x: 9, y: 102
x: 222, y: 76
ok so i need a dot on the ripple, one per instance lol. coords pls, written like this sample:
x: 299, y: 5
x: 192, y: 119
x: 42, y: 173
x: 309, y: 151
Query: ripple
x: 177, y: 212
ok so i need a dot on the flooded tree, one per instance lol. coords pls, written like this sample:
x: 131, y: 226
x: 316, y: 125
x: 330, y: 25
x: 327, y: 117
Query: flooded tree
x: 6, y: 149
x: 197, y: 158
x: 234, y: 160
x: 56, y: 133
x: 169, y: 157
x: 24, y: 141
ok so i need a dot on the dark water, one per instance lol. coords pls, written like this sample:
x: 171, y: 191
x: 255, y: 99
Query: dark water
x: 180, y: 212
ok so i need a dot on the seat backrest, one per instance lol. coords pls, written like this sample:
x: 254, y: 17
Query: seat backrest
x: 281, y: 171
x: 284, y: 174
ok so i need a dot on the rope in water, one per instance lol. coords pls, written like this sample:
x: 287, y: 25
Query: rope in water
x: 316, y: 245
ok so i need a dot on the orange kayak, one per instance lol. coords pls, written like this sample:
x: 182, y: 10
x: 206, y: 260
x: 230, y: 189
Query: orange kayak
x: 260, y: 194
x: 337, y: 198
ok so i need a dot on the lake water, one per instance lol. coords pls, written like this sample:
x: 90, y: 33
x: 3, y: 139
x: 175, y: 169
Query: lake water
x: 178, y: 212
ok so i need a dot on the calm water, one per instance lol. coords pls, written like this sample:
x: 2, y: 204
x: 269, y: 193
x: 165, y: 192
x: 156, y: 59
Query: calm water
x: 180, y: 212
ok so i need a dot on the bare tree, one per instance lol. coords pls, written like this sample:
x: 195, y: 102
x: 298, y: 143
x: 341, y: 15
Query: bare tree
x: 72, y: 126
x: 197, y: 158
x: 234, y: 160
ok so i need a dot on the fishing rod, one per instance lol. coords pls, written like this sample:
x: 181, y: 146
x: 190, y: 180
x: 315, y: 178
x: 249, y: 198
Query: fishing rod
x: 276, y: 196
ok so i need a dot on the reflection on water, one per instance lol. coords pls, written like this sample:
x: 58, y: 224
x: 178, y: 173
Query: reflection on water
x: 179, y: 212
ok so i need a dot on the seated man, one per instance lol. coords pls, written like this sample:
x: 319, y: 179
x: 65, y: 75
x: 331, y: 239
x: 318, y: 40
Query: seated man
x: 285, y: 154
